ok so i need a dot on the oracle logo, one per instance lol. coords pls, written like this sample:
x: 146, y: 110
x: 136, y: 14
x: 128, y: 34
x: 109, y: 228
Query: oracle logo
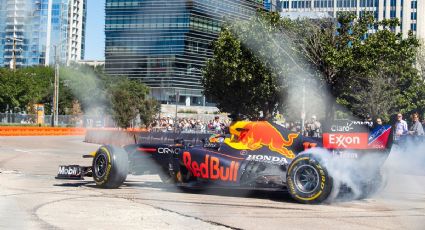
x: 168, y: 151
x: 345, y: 140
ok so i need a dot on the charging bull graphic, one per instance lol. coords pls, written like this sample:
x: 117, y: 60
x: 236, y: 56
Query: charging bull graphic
x: 254, y: 135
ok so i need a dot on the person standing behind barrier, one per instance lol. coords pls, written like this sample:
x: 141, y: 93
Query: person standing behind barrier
x: 314, y: 127
x: 416, y: 129
x: 216, y: 124
x: 400, y: 126
x: 378, y: 123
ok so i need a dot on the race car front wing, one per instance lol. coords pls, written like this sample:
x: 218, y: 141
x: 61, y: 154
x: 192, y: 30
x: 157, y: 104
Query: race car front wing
x: 73, y: 172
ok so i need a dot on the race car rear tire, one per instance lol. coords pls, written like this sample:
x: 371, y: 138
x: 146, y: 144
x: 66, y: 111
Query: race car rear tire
x: 308, y: 181
x: 110, y: 167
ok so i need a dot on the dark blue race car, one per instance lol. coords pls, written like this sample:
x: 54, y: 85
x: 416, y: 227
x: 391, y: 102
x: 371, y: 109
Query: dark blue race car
x: 255, y: 155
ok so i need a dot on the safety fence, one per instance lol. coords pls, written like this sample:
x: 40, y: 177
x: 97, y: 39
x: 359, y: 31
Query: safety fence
x: 85, y: 121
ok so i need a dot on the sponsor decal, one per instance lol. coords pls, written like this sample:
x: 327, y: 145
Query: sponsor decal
x: 342, y: 128
x: 379, y: 137
x: 211, y: 168
x: 344, y: 155
x: 268, y: 159
x: 243, y: 152
x: 309, y: 145
x: 150, y: 150
x: 211, y: 145
x: 168, y: 150
x: 367, y: 123
x: 255, y: 135
x: 345, y: 140
x: 348, y: 126
x: 64, y: 170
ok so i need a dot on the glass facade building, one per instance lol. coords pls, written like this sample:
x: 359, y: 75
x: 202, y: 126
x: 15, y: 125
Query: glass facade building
x: 36, y: 31
x: 165, y: 44
x: 411, y: 13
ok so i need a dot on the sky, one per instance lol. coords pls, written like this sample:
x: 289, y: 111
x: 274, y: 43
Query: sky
x: 95, y: 35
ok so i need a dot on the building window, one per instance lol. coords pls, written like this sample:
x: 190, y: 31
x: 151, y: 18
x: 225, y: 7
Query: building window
x: 414, y: 4
x: 414, y: 16
x: 413, y: 27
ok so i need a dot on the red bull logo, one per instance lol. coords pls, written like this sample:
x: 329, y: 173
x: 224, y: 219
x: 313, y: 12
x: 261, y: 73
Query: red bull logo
x: 211, y: 168
x: 254, y: 135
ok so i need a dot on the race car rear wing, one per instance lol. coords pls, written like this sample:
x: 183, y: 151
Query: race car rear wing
x: 345, y: 134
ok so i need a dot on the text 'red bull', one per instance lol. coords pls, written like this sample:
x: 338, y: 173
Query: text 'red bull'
x: 258, y: 134
x: 211, y: 169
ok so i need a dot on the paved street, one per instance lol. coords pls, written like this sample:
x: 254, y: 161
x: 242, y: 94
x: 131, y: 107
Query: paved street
x: 30, y: 198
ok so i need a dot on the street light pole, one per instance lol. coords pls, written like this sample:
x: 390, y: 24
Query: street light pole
x: 303, y: 108
x: 14, y: 40
x: 56, y: 93
x: 177, y: 101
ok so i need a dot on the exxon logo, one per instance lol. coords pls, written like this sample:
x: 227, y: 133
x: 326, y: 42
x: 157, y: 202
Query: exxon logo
x: 343, y: 141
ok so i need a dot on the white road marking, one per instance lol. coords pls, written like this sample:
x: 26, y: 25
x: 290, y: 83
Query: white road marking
x: 22, y: 151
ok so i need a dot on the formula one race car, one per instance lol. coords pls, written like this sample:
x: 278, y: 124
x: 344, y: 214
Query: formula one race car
x: 255, y: 155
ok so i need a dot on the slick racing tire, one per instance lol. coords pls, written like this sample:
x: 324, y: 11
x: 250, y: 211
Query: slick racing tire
x: 308, y: 180
x: 110, y: 166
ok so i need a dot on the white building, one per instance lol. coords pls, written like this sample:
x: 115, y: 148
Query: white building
x: 41, y: 32
x: 411, y: 13
x: 77, y: 18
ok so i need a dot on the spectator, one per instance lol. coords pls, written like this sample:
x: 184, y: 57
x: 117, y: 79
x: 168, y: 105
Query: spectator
x: 378, y: 123
x: 369, y: 121
x: 416, y: 129
x: 216, y: 125
x: 400, y: 126
x: 314, y: 127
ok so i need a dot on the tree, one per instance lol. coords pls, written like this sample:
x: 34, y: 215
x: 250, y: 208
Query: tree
x: 148, y: 109
x: 129, y: 99
x: 24, y: 87
x: 369, y: 74
x: 241, y: 77
x: 255, y: 62
x: 76, y: 112
x: 88, y: 87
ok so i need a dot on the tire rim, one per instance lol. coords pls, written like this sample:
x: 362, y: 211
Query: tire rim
x: 306, y: 178
x: 100, y: 165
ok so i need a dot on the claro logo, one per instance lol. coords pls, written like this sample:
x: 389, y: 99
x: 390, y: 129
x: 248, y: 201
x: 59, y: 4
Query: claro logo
x: 211, y: 168
x: 345, y: 140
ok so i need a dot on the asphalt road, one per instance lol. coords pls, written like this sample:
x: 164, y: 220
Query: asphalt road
x: 30, y: 198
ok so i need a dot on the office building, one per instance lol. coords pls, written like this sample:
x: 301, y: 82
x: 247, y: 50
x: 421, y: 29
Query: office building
x: 77, y: 30
x: 165, y: 44
x: 40, y: 32
x: 411, y: 13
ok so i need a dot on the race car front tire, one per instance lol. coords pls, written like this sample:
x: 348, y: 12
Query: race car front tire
x: 308, y: 181
x: 110, y: 166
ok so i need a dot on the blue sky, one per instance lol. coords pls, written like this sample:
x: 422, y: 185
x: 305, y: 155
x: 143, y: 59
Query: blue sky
x: 95, y: 36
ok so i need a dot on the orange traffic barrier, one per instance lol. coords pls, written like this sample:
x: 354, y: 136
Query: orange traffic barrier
x: 40, y: 131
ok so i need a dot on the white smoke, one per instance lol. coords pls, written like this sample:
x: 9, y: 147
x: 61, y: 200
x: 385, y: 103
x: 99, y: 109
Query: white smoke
x: 405, y: 169
x: 362, y: 176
